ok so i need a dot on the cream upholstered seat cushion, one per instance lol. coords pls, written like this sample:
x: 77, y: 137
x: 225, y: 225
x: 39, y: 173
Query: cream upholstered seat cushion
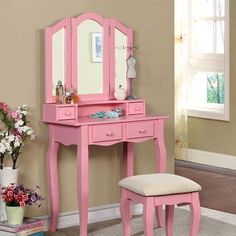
x: 159, y: 184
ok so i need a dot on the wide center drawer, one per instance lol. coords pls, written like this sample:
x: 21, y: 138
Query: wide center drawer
x: 109, y: 132
x: 140, y: 129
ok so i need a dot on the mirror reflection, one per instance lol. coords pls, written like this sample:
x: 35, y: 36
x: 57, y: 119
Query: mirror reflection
x: 89, y: 58
x: 58, y: 59
x: 120, y: 59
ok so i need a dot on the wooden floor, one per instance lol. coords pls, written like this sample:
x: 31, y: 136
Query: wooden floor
x: 218, y: 185
x: 218, y: 192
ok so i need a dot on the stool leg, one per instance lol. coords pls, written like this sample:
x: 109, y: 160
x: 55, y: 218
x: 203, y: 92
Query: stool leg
x: 148, y: 216
x: 169, y: 219
x: 195, y: 213
x: 125, y: 211
x: 158, y: 210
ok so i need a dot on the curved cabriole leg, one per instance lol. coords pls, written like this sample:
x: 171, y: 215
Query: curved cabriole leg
x: 160, y: 162
x: 195, y: 213
x: 160, y: 149
x: 148, y: 216
x: 52, y: 173
x: 125, y: 206
x: 169, y: 219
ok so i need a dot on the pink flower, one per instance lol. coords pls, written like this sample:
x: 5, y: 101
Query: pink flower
x: 18, y: 195
x: 22, y: 204
x: 19, y: 198
x: 14, y: 115
x: 10, y: 193
x: 9, y: 198
x: 5, y: 107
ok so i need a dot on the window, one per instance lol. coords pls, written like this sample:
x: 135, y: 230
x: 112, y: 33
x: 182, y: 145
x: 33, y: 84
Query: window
x: 208, y: 88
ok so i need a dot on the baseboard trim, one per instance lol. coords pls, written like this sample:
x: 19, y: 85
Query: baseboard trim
x: 109, y: 212
x: 212, y: 159
x: 95, y: 214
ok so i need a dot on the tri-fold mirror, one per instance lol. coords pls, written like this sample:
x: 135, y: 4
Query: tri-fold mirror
x: 87, y: 53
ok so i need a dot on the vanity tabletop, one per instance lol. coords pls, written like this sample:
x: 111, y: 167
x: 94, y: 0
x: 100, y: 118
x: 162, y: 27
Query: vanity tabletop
x: 95, y: 121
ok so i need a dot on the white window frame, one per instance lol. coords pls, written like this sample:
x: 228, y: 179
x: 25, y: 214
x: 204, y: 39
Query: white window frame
x: 212, y: 111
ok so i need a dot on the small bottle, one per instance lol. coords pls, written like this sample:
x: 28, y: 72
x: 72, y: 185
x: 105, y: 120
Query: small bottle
x: 69, y: 96
x: 59, y: 92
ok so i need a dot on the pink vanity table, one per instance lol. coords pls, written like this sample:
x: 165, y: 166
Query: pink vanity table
x: 70, y: 56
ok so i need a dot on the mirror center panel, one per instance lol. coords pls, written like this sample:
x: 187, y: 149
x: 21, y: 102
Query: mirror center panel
x: 89, y: 58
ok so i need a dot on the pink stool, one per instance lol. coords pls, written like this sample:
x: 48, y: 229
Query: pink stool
x: 155, y: 190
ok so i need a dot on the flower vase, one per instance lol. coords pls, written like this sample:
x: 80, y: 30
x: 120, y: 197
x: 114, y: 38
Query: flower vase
x: 15, y: 214
x: 7, y: 176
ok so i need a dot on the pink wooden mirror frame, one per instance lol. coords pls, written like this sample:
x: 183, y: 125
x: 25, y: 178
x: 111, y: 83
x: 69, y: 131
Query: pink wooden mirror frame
x: 70, y: 24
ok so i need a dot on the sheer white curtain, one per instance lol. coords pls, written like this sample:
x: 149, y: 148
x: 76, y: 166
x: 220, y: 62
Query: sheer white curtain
x: 181, y: 124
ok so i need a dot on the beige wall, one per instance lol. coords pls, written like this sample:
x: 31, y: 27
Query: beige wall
x: 212, y: 135
x: 21, y: 76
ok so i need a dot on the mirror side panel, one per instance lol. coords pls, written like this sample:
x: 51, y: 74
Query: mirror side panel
x: 121, y: 42
x: 57, y: 58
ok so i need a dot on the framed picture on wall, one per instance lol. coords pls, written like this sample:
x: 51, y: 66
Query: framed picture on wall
x: 97, y: 47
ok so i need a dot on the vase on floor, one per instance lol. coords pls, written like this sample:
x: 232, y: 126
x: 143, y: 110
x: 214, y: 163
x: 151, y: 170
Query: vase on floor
x: 7, y: 176
x: 15, y: 214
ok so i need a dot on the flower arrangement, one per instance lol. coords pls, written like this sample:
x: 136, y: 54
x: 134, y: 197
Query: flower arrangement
x: 18, y: 195
x: 16, y: 132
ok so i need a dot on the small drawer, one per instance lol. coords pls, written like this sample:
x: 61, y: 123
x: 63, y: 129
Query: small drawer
x: 110, y: 132
x: 136, y: 108
x: 140, y: 129
x: 66, y: 113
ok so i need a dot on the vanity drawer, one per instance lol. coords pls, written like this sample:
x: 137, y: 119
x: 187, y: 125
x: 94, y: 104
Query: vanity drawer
x: 66, y: 113
x: 136, y: 108
x: 110, y: 132
x: 140, y: 129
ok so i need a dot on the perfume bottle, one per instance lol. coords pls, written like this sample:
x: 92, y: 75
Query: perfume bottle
x: 69, y: 93
x: 59, y: 92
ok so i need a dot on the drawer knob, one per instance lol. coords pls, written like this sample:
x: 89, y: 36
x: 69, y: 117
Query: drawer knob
x: 109, y: 134
x: 68, y: 113
x: 137, y: 109
x: 141, y: 131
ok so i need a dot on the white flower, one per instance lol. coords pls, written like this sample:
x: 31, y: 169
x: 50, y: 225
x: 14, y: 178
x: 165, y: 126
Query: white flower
x: 11, y: 138
x: 19, y: 130
x: 25, y: 107
x: 2, y: 148
x: 24, y: 128
x: 18, y: 111
x: 30, y: 131
x: 19, y: 123
x: 7, y: 145
x: 17, y: 143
